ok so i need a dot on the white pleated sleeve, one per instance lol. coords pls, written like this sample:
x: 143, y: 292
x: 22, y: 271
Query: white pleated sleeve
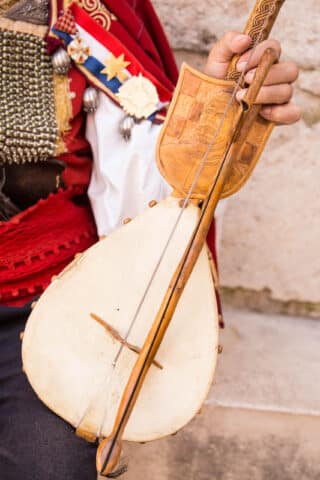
x: 125, y: 176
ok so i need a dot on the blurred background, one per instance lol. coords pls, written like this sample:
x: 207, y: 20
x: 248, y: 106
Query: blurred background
x: 262, y: 418
x: 271, y: 233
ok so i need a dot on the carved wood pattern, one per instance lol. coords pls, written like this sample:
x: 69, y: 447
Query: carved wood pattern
x: 196, y: 109
x: 257, y: 25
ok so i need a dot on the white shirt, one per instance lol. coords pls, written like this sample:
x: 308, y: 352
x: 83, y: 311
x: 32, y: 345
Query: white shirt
x: 125, y: 176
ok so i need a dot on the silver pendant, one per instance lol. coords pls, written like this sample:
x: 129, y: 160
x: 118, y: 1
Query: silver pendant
x: 61, y: 62
x: 126, y: 126
x: 90, y: 100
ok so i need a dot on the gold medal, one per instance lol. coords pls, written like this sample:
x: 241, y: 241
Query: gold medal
x: 138, y: 97
x: 78, y: 50
x: 115, y: 67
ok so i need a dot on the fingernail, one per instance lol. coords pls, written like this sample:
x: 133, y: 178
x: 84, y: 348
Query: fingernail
x: 241, y: 66
x: 249, y: 76
x: 240, y: 94
x: 242, y: 38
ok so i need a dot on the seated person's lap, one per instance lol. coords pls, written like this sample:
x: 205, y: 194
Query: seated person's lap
x: 35, y: 444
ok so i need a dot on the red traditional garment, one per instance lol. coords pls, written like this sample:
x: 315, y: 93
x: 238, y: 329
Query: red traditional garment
x: 40, y: 242
x: 138, y: 22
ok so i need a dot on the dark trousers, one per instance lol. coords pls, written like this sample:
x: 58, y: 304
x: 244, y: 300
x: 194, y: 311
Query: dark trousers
x: 35, y: 444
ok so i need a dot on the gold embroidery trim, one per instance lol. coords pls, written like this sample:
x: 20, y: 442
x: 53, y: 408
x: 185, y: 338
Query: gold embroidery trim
x: 98, y: 12
x: 23, y: 27
x: 63, y: 109
x: 5, y: 5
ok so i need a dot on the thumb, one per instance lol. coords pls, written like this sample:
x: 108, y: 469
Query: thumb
x: 223, y: 51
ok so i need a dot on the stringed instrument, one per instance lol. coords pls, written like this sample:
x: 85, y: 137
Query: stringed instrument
x: 123, y: 343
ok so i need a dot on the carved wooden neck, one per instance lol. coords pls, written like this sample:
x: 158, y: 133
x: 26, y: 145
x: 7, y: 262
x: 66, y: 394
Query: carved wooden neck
x: 259, y: 27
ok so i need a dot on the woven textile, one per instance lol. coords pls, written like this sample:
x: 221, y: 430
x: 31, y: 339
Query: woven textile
x: 66, y: 23
x: 39, y: 242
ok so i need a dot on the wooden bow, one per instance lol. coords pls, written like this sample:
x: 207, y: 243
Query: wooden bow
x: 258, y: 27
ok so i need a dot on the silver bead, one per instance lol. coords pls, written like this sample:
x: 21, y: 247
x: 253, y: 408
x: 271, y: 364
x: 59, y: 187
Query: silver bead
x: 61, y: 62
x: 125, y: 127
x: 90, y: 100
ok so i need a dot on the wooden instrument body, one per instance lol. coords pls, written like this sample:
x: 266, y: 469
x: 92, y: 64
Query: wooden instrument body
x: 68, y: 356
x: 196, y: 110
x: 72, y: 372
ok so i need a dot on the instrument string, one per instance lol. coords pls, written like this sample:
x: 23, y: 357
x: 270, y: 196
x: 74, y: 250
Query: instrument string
x: 103, y: 389
x: 204, y: 207
x: 194, y: 183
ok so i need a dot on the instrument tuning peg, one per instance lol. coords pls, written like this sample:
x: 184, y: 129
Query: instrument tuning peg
x: 21, y: 335
x: 127, y: 220
x: 220, y: 348
x: 152, y: 203
x: 33, y: 304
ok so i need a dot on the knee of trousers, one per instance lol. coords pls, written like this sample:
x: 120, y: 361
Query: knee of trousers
x: 36, y: 444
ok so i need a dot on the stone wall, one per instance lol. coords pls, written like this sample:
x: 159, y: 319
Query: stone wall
x: 269, y: 256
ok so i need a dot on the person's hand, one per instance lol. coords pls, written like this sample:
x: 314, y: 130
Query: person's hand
x: 275, y: 95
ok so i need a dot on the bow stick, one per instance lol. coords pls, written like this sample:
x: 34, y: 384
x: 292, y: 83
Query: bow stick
x: 259, y: 26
